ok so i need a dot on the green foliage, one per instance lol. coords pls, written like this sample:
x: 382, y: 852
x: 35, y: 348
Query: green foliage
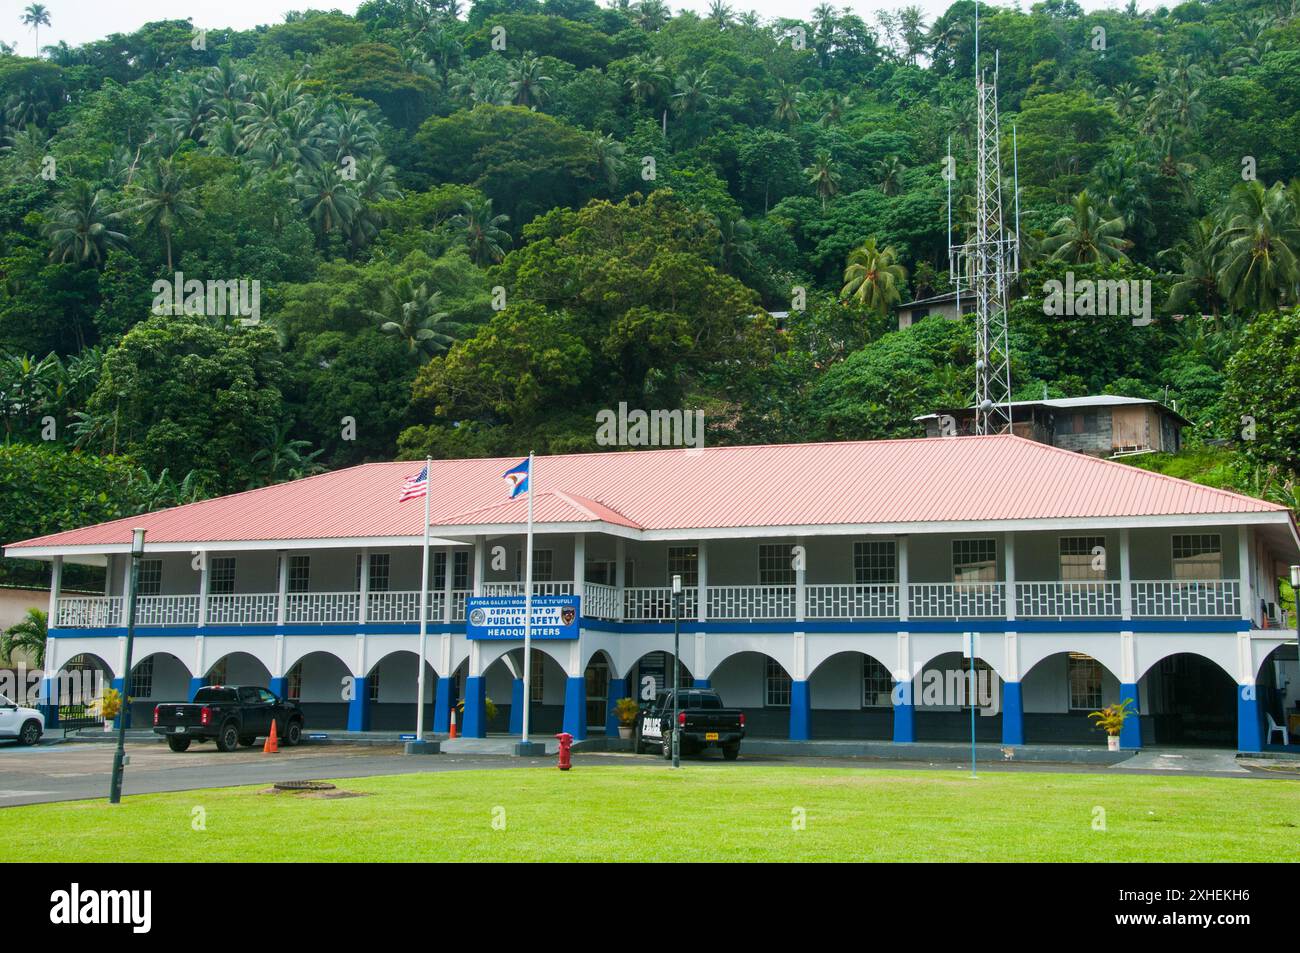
x: 1264, y: 387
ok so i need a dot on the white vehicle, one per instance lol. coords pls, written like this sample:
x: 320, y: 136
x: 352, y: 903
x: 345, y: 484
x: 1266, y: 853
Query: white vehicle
x: 25, y: 724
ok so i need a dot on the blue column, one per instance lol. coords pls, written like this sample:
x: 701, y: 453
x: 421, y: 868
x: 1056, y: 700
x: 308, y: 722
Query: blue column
x: 904, y: 713
x: 196, y: 684
x: 475, y: 708
x: 575, y: 707
x: 1013, y: 715
x: 1130, y: 735
x: 125, y: 713
x: 702, y: 683
x: 1250, y: 720
x: 516, y: 706
x: 279, y: 687
x: 800, y: 711
x: 442, y: 702
x: 48, y: 700
x: 617, y: 689
x: 359, y: 705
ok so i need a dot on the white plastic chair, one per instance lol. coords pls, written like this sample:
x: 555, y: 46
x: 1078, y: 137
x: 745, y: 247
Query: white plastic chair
x: 1274, y: 726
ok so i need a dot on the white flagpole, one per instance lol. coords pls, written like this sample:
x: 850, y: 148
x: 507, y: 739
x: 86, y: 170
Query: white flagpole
x: 528, y: 599
x: 424, y: 604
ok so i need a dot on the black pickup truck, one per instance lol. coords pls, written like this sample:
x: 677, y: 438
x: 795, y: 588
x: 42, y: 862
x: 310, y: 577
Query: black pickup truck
x: 229, y: 715
x: 703, y: 721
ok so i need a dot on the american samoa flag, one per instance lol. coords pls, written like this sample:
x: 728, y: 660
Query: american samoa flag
x: 415, y: 486
x: 517, y: 477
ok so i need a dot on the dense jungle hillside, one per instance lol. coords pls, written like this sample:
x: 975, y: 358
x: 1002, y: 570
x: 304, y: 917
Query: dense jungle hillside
x: 474, y: 227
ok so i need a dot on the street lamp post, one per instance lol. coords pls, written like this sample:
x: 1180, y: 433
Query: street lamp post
x: 677, y: 668
x: 119, y: 757
x: 1295, y: 595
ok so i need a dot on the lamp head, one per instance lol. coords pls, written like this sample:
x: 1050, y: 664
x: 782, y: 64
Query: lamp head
x: 137, y: 541
x: 677, y: 585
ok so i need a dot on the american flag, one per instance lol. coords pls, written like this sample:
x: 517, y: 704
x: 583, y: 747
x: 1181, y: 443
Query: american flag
x: 415, y: 486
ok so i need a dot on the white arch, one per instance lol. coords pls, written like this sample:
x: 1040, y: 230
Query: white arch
x: 1104, y: 647
x: 103, y: 663
x: 488, y: 656
x: 213, y: 658
x: 295, y: 650
x: 373, y: 662
x: 884, y: 659
x: 135, y: 662
x: 609, y: 659
x: 1221, y: 650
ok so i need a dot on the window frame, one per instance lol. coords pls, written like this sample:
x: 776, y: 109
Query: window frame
x: 149, y: 580
x: 1093, y: 576
x: 683, y: 561
x: 990, y: 564
x: 778, y: 558
x: 1174, y: 563
x: 216, y: 575
x: 871, y: 676
x: 777, y: 684
x: 1073, y: 662
x: 862, y: 560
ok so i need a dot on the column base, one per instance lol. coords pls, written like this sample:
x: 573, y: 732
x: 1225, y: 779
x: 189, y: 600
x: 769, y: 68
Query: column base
x: 529, y: 749
x: 422, y: 747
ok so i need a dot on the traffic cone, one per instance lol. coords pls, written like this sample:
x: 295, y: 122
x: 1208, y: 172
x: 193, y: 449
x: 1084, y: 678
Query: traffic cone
x: 453, y: 724
x: 272, y: 745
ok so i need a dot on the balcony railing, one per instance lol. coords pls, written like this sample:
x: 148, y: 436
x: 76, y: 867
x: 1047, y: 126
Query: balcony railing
x: 1171, y: 599
x: 1062, y: 600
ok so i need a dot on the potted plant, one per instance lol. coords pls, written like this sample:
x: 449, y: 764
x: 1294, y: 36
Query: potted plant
x: 626, y: 709
x: 1111, y: 719
x: 489, y: 710
x: 110, y: 703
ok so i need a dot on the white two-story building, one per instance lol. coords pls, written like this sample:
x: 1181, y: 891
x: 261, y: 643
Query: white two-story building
x: 817, y: 578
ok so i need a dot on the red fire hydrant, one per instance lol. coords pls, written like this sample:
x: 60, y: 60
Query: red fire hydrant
x: 566, y: 742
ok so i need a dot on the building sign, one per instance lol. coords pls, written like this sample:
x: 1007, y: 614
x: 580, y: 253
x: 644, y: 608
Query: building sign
x: 501, y: 618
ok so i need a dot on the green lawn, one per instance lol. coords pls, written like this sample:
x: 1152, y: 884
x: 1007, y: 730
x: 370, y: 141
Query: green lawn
x: 703, y: 812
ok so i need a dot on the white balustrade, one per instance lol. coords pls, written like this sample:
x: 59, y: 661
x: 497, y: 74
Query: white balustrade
x: 1186, y: 599
x: 874, y: 601
x: 751, y: 602
x: 517, y: 588
x: 167, y: 610
x: 321, y: 607
x: 599, y: 601
x: 88, y: 612
x: 956, y: 600
x: 655, y: 603
x: 1067, y: 599
x: 245, y: 608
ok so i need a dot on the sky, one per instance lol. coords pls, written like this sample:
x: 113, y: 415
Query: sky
x: 80, y: 21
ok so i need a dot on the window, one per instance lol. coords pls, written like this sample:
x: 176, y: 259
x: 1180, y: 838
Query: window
x: 543, y: 565
x: 372, y: 685
x: 986, y: 681
x: 775, y: 565
x: 221, y: 575
x: 1076, y: 555
x: 265, y: 697
x: 877, y: 684
x: 875, y: 562
x: 142, y: 679
x: 299, y: 573
x: 777, y: 685
x: 974, y: 560
x: 597, y: 678
x: 1084, y: 422
x: 1084, y: 674
x: 460, y: 569
x: 684, y: 561
x: 1198, y: 556
x: 379, y: 568
x: 536, y: 680
x: 293, y: 683
x: 150, y: 582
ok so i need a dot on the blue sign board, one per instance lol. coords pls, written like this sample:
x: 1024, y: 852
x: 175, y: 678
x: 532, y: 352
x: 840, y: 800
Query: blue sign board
x: 501, y: 618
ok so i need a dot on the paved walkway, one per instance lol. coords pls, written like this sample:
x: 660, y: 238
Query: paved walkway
x: 1192, y: 760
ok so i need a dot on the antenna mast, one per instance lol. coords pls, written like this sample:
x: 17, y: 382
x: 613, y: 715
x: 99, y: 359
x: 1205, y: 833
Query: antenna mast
x: 988, y: 260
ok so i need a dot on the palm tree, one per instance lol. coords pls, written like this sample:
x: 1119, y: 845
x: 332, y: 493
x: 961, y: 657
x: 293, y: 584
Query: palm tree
x: 162, y: 202
x: 483, y: 231
x: 693, y: 90
x: 527, y: 83
x: 889, y: 171
x: 411, y: 313
x: 374, y: 183
x: 1260, y: 247
x: 81, y: 229
x: 647, y: 78
x: 912, y: 27
x: 1126, y: 99
x: 608, y: 153
x: 1197, y: 283
x: 1084, y: 237
x: 874, y: 277
x: 27, y: 635
x: 36, y: 16
x: 823, y: 177
x: 652, y: 14
x: 282, y: 458
x: 720, y: 14
x: 787, y: 99
x: 328, y: 200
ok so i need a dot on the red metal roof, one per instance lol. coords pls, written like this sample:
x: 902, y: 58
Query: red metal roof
x: 922, y: 480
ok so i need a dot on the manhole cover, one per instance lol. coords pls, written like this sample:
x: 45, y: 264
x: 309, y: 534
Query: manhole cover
x: 303, y: 786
